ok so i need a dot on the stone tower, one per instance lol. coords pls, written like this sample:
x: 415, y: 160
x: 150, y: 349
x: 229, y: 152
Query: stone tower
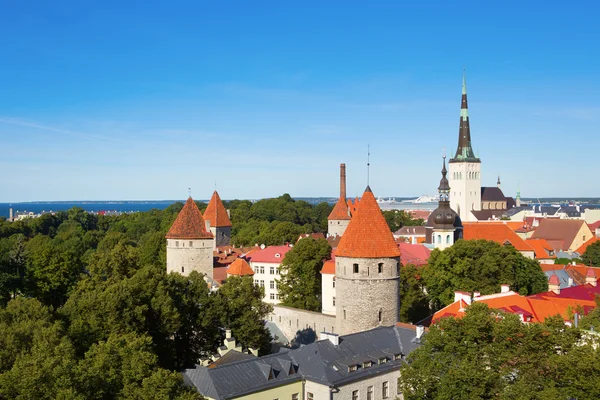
x: 465, y: 168
x: 339, y: 218
x: 218, y: 217
x: 445, y: 223
x: 518, y: 198
x: 367, y: 271
x: 189, y: 243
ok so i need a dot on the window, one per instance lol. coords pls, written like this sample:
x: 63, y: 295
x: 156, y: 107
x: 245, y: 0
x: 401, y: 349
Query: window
x: 367, y: 364
x: 380, y: 268
x: 447, y: 239
x: 355, y: 267
x: 276, y: 296
x: 309, y: 396
x: 256, y: 283
x: 272, y: 284
x: 191, y: 244
x: 262, y: 269
x: 334, y: 281
x: 344, y: 314
x: 276, y: 271
x: 380, y: 315
x: 382, y: 360
x: 355, y: 395
x: 182, y: 270
x: 334, y: 301
x: 385, y: 390
x: 295, y: 396
x: 177, y: 243
x: 262, y: 283
x: 272, y: 296
x: 272, y: 271
x: 370, y: 393
x: 352, y: 368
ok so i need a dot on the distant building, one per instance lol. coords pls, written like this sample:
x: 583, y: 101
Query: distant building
x: 189, y: 243
x: 563, y: 234
x: 266, y: 264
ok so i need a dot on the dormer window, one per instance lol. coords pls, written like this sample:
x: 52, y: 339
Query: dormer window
x: 352, y: 368
x: 277, y: 255
x: 383, y: 360
x: 397, y: 356
x: 366, y: 364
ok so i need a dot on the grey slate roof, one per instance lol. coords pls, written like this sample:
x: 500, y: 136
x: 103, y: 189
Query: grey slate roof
x: 491, y: 193
x: 321, y: 362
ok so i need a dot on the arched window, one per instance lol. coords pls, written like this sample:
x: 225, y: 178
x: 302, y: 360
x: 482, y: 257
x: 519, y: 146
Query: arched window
x: 439, y: 239
x: 447, y: 239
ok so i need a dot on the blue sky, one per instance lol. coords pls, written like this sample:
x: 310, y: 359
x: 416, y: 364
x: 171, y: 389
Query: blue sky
x: 107, y: 100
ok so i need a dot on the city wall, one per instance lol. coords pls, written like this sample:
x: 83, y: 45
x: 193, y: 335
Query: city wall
x: 301, y: 325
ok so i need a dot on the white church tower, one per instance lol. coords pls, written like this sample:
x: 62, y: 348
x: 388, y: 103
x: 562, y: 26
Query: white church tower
x: 465, y: 169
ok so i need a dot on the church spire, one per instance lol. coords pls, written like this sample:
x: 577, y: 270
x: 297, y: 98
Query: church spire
x: 444, y: 188
x: 464, y: 151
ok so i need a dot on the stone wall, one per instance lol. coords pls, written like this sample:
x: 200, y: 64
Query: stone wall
x: 368, y: 298
x: 222, y: 235
x: 337, y: 226
x: 294, y: 322
x: 185, y: 256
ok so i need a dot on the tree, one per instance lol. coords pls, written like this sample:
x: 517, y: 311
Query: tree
x: 12, y: 266
x: 238, y: 306
x: 300, y: 283
x: 591, y: 255
x: 480, y: 265
x: 489, y: 354
x: 396, y: 219
x: 414, y: 303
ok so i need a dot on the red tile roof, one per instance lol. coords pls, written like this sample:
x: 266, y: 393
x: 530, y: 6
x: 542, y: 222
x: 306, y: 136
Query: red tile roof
x: 416, y: 254
x: 541, y: 247
x: 340, y: 211
x: 495, y: 231
x: 216, y: 213
x: 189, y: 224
x: 329, y: 266
x: 315, y: 236
x: 584, y: 246
x: 240, y: 267
x: 594, y: 225
x: 554, y: 280
x: 367, y: 234
x: 271, y: 254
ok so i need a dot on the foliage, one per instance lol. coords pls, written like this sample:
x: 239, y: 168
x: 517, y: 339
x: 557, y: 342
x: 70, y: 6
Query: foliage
x: 414, y: 303
x: 300, y: 283
x: 480, y: 265
x: 396, y: 219
x: 591, y: 255
x: 492, y: 355
x: 566, y: 261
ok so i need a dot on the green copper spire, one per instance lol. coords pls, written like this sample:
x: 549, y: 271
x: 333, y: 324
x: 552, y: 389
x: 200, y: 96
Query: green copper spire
x: 464, y: 151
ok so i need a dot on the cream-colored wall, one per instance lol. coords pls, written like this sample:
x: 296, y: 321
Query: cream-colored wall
x: 584, y: 234
x: 267, y: 277
x: 337, y: 227
x: 528, y: 254
x: 591, y: 216
x: 319, y: 392
x: 440, y: 237
x: 327, y: 294
x: 465, y: 193
x: 197, y: 257
x: 345, y: 392
x: 283, y: 392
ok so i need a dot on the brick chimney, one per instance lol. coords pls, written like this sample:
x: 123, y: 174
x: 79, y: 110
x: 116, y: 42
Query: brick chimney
x: 590, y: 277
x: 554, y: 284
x: 343, y: 181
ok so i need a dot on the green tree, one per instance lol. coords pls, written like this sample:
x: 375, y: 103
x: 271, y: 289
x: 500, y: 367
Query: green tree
x: 480, y: 265
x: 300, y: 283
x: 414, y: 303
x: 492, y: 355
x: 238, y: 305
x: 396, y: 219
x: 591, y: 255
x: 12, y: 266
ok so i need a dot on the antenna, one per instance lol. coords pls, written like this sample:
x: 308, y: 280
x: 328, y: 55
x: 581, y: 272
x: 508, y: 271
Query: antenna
x: 368, y: 162
x: 190, y: 192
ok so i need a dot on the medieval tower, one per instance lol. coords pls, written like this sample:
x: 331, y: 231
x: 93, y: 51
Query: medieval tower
x: 339, y: 218
x: 367, y: 271
x: 218, y: 218
x: 465, y: 168
x: 189, y: 243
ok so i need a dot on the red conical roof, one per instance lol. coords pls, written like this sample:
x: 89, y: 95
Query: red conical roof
x: 367, y: 234
x: 240, y: 267
x: 340, y: 211
x: 189, y: 223
x: 553, y: 280
x: 216, y: 212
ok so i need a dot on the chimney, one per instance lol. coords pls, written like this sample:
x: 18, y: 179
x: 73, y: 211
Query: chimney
x: 227, y: 333
x: 466, y: 297
x: 420, y: 330
x: 253, y: 351
x: 332, y: 337
x: 590, y: 277
x: 343, y: 181
x: 504, y: 288
x: 554, y: 284
x: 476, y: 294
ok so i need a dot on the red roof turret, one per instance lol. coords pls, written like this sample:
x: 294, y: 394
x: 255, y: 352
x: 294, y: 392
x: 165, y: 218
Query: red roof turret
x: 367, y: 234
x: 189, y: 223
x: 216, y: 213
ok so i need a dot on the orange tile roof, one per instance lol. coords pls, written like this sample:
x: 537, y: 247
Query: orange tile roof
x: 353, y: 206
x: 514, y: 225
x: 541, y: 248
x: 189, y: 224
x: 328, y: 267
x: 340, y: 211
x: 216, y: 213
x: 497, y: 232
x: 240, y: 267
x: 367, y: 234
x: 584, y: 246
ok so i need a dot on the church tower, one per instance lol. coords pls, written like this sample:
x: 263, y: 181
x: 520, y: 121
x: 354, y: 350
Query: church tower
x: 218, y: 218
x: 367, y: 271
x: 339, y: 218
x: 189, y: 243
x: 465, y: 168
x: 446, y: 224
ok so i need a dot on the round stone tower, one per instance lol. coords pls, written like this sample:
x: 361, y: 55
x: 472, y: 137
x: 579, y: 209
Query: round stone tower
x: 189, y: 243
x: 367, y: 271
x: 218, y: 218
